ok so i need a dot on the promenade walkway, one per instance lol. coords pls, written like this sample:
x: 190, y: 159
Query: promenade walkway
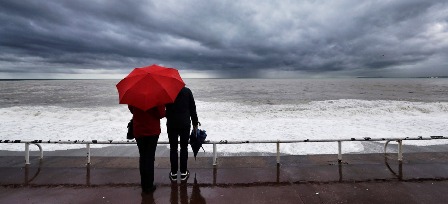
x: 360, y: 178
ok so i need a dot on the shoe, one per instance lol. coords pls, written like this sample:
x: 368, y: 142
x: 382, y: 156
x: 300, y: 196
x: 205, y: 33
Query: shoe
x: 184, y: 176
x: 149, y: 190
x: 173, y: 177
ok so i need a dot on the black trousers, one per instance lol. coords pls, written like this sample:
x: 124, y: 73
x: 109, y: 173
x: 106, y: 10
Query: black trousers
x: 147, y: 150
x: 184, y: 134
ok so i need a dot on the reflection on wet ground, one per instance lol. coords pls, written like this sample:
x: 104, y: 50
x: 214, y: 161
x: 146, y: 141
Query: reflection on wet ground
x: 236, y: 179
x: 179, y: 192
x: 397, y: 174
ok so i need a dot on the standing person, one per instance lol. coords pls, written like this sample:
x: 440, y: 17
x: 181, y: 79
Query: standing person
x: 146, y: 126
x: 178, y: 116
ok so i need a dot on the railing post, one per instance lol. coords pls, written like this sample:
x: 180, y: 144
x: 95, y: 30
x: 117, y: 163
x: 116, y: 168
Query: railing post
x: 41, y: 151
x: 88, y: 153
x: 385, y: 146
x: 278, y: 153
x: 27, y: 153
x: 400, y: 150
x: 215, y: 154
x: 339, y: 151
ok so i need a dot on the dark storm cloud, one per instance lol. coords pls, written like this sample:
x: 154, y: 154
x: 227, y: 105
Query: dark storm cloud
x: 397, y: 38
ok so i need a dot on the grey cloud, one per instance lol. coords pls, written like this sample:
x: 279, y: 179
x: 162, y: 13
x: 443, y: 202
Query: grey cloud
x: 231, y: 38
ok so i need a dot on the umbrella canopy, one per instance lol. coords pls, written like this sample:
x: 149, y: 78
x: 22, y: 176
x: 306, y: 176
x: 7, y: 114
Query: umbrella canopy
x: 196, y: 140
x: 150, y: 86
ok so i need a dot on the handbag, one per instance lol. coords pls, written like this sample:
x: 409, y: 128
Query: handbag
x: 130, y: 134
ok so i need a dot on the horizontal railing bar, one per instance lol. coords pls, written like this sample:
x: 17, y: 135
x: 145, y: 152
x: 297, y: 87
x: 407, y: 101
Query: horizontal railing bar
x: 318, y: 140
x: 88, y: 142
x: 222, y: 141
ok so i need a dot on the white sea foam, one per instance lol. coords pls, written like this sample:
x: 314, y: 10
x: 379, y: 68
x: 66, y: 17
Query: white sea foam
x: 331, y: 119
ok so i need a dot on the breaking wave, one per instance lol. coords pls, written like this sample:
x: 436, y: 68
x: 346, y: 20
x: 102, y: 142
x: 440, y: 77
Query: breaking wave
x: 330, y: 119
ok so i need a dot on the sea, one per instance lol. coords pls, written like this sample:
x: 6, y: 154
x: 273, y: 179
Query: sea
x: 236, y: 109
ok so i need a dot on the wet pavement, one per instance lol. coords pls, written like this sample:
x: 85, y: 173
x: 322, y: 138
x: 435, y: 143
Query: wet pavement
x: 360, y: 178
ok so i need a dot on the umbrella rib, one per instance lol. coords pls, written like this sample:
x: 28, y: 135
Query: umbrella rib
x: 160, y: 85
x: 131, y: 83
x: 134, y: 84
x: 172, y: 80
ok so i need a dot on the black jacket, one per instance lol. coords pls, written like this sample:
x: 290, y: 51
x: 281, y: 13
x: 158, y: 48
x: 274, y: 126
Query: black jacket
x: 178, y: 113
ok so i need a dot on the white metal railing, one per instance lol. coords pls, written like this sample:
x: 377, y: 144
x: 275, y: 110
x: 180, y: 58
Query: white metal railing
x: 215, y: 143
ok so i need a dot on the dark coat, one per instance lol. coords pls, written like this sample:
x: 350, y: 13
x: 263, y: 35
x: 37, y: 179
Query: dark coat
x: 178, y: 114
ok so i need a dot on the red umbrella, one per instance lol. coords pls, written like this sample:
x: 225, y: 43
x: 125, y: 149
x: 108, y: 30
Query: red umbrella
x: 150, y: 86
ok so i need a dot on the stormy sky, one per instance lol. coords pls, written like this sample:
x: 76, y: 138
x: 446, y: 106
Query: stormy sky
x: 225, y: 38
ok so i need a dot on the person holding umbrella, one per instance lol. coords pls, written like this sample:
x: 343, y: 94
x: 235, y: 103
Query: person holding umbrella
x: 147, y: 90
x: 178, y: 116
